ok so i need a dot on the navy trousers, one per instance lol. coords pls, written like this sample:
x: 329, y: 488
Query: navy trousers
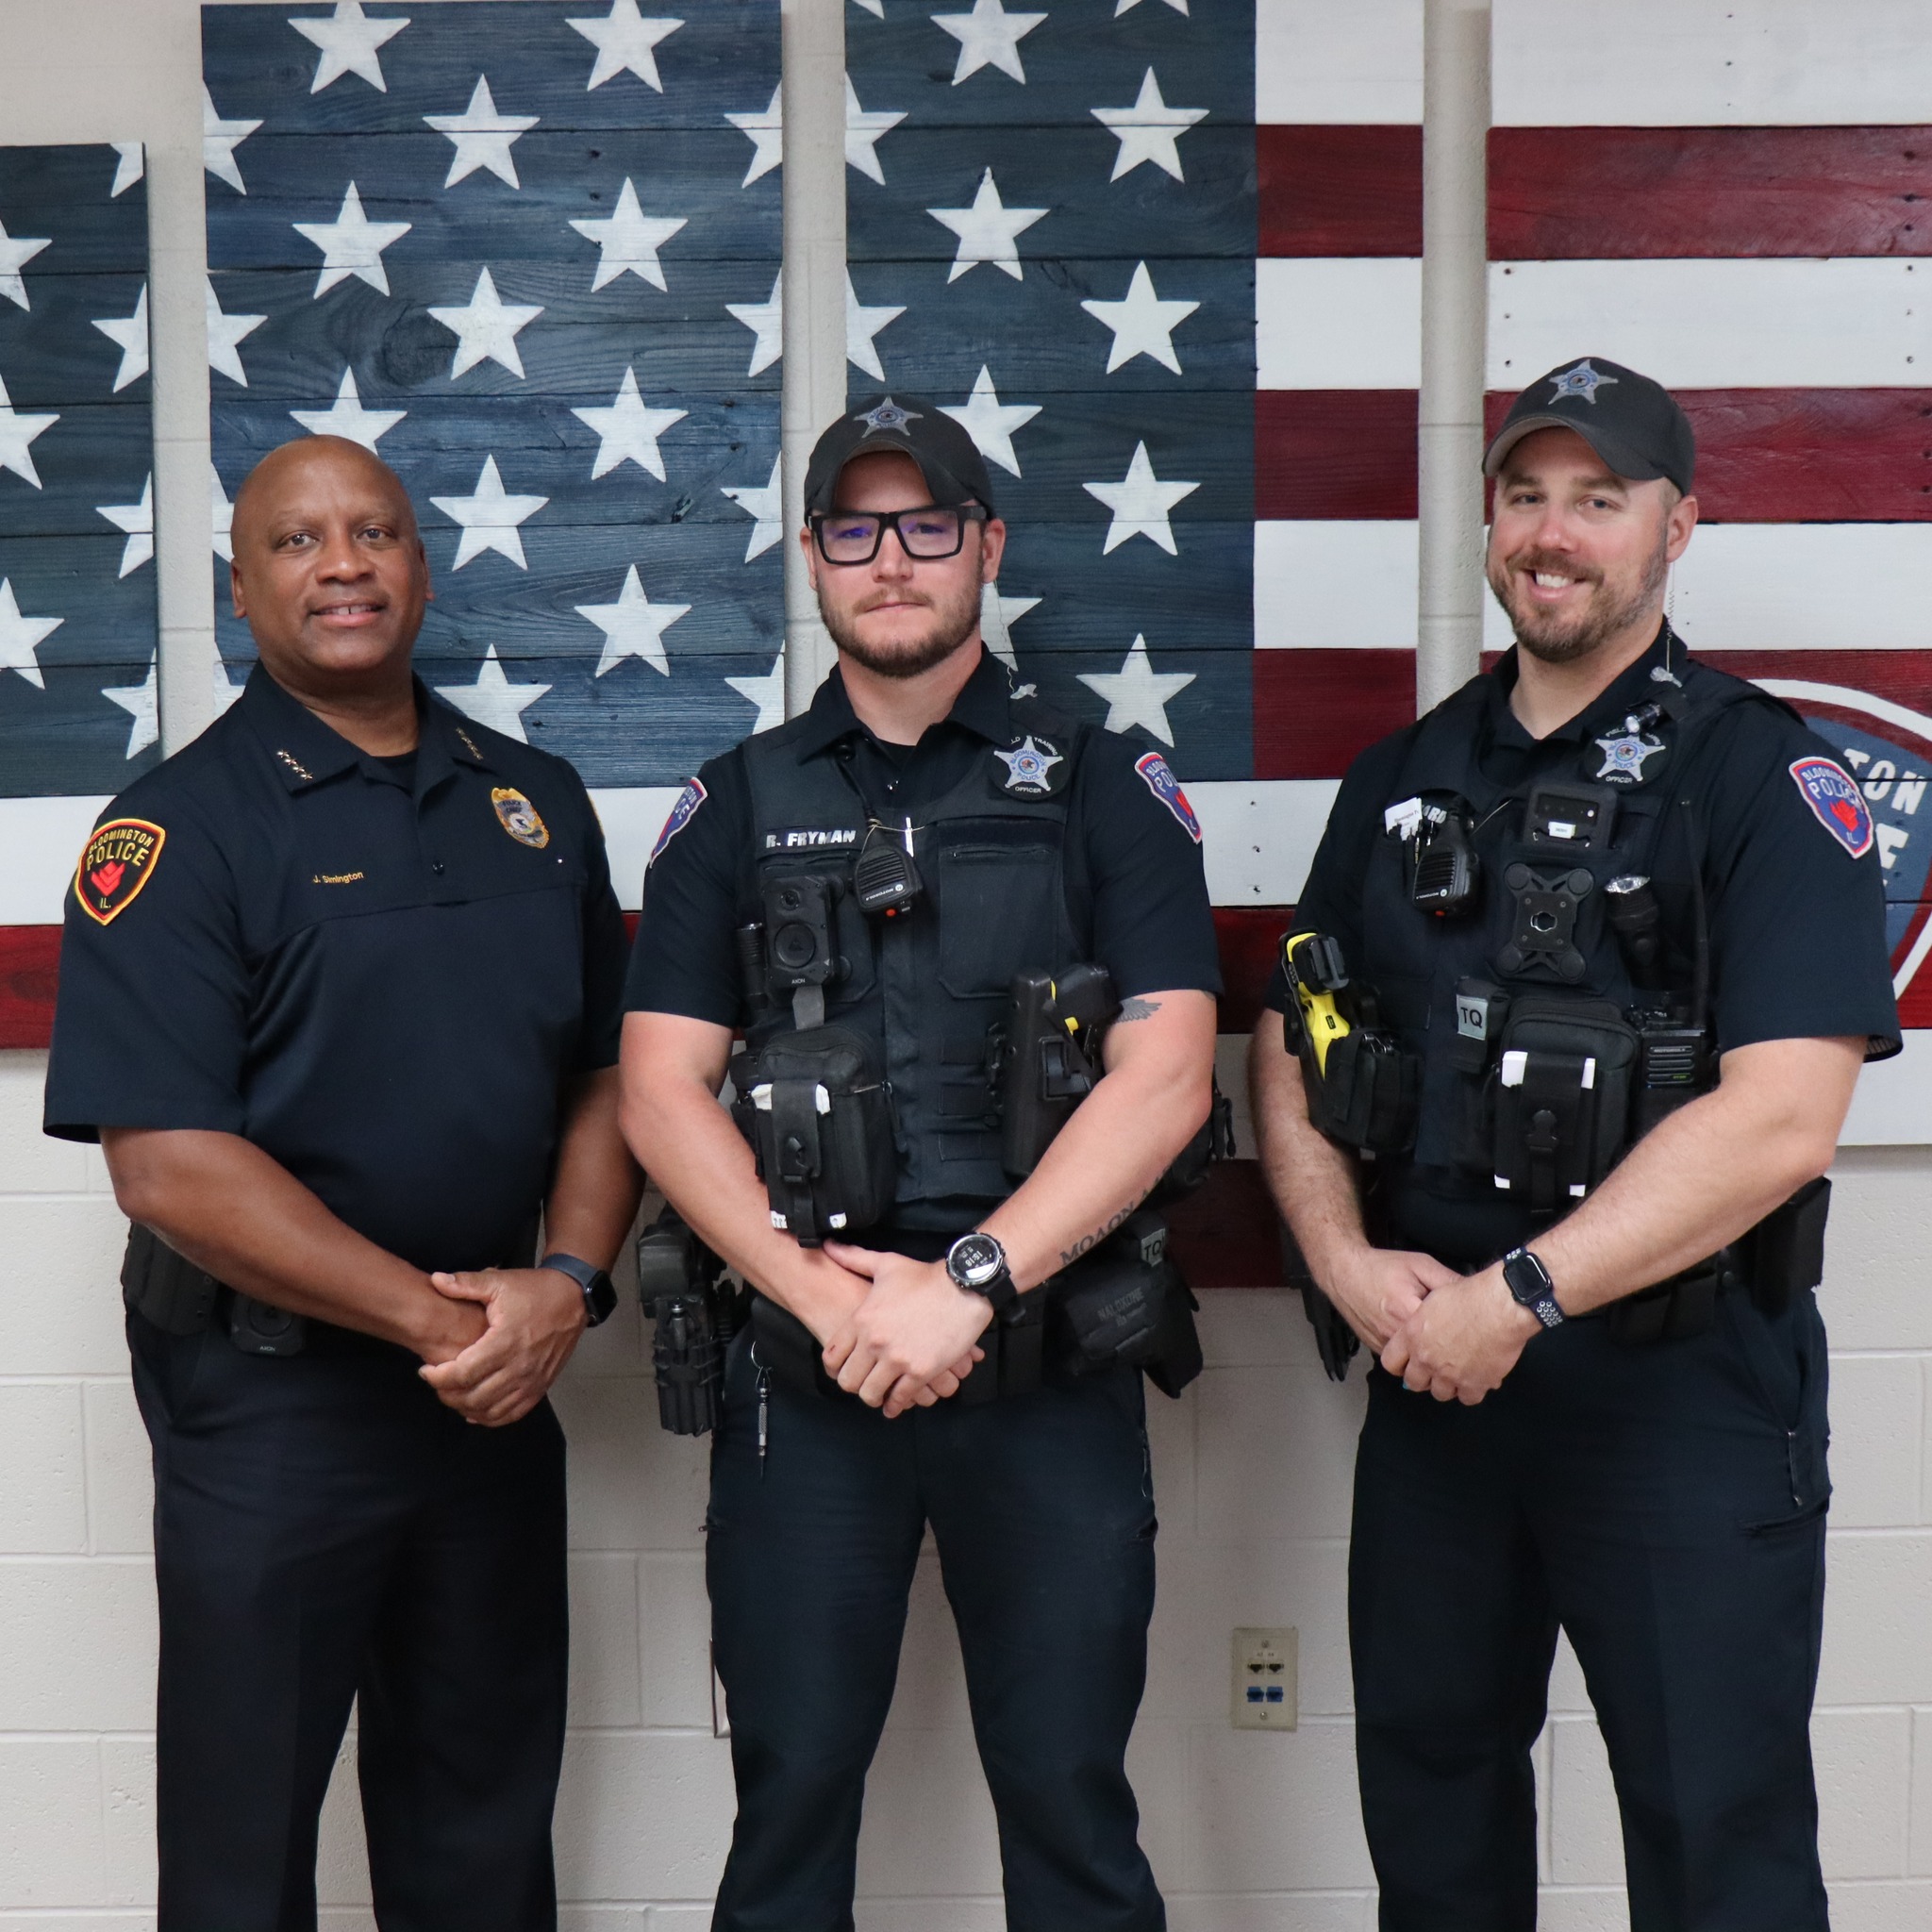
x: 1665, y: 1506
x: 325, y: 1528
x: 1041, y: 1507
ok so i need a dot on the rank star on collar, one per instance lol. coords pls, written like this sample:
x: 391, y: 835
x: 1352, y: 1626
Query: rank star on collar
x: 1581, y: 381
x: 1028, y: 765
x: 1624, y: 753
x: 888, y: 418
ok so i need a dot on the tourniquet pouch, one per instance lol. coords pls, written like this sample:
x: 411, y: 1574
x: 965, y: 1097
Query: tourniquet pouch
x: 1559, y: 1098
x: 815, y: 1106
x: 1369, y: 1089
x: 1127, y: 1302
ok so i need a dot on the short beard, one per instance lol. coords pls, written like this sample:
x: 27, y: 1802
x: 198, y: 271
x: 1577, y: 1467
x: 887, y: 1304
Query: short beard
x: 952, y: 625
x: 1552, y: 643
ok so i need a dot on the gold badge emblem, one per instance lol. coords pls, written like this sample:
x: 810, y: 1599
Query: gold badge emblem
x: 118, y: 861
x: 520, y: 818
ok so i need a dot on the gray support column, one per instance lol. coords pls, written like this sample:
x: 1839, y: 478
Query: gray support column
x: 814, y: 299
x: 1455, y: 120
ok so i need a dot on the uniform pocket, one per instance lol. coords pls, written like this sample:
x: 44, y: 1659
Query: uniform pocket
x: 1000, y: 913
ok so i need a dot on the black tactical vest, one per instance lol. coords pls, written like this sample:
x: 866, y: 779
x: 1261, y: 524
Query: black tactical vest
x: 1002, y: 894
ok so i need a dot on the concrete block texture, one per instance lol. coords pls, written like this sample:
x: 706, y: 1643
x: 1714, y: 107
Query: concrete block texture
x: 43, y: 1452
x: 1877, y: 1618
x: 1877, y: 1416
x: 31, y: 1163
x: 1877, y: 1290
x: 78, y: 1641
x: 59, y: 1292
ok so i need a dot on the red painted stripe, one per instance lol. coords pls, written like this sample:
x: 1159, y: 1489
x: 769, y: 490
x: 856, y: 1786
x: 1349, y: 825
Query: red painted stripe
x: 29, y: 963
x: 1338, y: 191
x: 1337, y: 454
x: 1583, y: 194
x: 1801, y: 455
x: 1227, y: 1233
x: 1315, y: 709
x: 1904, y: 676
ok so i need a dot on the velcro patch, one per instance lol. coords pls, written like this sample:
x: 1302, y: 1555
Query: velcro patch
x: 1836, y: 802
x: 118, y: 861
x: 681, y: 815
x: 811, y: 838
x: 1153, y: 768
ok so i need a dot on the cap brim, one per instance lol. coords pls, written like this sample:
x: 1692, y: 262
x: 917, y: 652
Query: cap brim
x: 1623, y: 461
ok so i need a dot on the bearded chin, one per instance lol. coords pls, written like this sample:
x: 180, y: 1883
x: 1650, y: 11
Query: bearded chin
x: 1555, y: 640
x: 952, y: 625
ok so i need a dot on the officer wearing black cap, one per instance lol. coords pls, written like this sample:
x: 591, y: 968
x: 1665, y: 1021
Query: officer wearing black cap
x: 338, y: 997
x: 945, y: 922
x: 1587, y: 964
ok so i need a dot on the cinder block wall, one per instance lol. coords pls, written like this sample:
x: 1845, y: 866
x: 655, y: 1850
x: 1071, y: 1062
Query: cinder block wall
x: 1249, y: 1832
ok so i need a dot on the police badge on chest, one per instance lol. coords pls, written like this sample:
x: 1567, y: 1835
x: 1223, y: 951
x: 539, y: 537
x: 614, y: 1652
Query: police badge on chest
x: 1033, y: 767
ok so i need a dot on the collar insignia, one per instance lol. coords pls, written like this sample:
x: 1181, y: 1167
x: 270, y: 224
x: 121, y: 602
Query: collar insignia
x: 1581, y: 381
x: 1623, y: 755
x: 1029, y: 768
x: 889, y: 418
x: 519, y: 817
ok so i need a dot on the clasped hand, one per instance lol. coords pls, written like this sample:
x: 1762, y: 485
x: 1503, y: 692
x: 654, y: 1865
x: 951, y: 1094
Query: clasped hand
x: 1462, y: 1339
x: 912, y: 1340
x: 532, y: 1318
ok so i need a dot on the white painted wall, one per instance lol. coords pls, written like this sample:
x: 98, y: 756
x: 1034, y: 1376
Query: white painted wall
x: 1249, y: 1833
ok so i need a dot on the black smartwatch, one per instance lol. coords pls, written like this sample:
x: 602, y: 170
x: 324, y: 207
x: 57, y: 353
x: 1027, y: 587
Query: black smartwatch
x: 1528, y: 1280
x: 599, y: 1296
x: 977, y: 1263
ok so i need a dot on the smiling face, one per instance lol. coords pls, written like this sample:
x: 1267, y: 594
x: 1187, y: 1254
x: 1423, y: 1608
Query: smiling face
x: 329, y: 569
x: 899, y: 615
x: 1578, y: 557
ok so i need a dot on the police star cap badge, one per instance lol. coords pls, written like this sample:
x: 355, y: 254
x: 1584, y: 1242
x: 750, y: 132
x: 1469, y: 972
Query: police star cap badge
x: 947, y: 456
x: 1632, y: 423
x: 1031, y: 768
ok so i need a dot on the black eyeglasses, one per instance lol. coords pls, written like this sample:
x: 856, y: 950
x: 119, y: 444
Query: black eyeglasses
x: 926, y: 534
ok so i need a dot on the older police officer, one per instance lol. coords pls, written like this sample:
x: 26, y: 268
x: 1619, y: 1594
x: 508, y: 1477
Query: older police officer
x: 339, y: 998
x: 888, y: 863
x: 1617, y: 919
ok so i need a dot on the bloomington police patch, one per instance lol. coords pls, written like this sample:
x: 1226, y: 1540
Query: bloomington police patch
x: 1167, y: 788
x: 117, y: 861
x: 682, y: 813
x: 1836, y: 801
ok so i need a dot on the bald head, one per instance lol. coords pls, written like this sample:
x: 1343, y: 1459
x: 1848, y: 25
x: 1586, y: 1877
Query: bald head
x: 294, y: 470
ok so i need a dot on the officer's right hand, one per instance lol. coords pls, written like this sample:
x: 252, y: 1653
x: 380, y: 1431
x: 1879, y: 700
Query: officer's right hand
x: 1377, y: 1289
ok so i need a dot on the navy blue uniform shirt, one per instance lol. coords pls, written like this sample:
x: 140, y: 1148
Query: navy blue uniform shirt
x: 382, y: 972
x: 1153, y: 925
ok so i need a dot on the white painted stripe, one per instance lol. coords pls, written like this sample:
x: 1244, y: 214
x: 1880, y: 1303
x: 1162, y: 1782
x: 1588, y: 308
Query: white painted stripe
x: 1803, y: 691
x: 1704, y: 63
x: 1335, y: 321
x: 1335, y: 584
x: 1893, y: 1103
x: 1316, y: 60
x: 632, y: 816
x: 41, y: 838
x: 1848, y: 322
x: 1775, y: 587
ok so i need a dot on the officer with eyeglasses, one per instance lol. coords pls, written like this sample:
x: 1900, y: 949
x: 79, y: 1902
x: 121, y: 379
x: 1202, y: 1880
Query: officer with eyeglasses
x: 857, y: 896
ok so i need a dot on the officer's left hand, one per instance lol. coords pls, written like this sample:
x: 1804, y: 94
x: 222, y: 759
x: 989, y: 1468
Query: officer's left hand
x: 1463, y: 1340
x: 911, y: 1340
x: 534, y: 1317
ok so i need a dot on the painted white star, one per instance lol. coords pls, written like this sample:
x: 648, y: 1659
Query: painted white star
x: 226, y: 692
x: 352, y: 244
x: 630, y: 240
x: 1141, y: 502
x: 990, y: 423
x: 1142, y: 322
x: 21, y: 637
x: 623, y: 39
x: 1148, y: 131
x: 482, y: 136
x: 220, y: 517
x: 628, y: 430
x: 1013, y: 608
x: 1138, y: 694
x: 767, y: 691
x: 633, y: 627
x: 997, y: 616
x: 767, y: 132
x: 142, y: 703
x: 863, y: 127
x: 128, y: 333
x: 490, y: 518
x: 18, y: 429
x: 987, y: 231
x: 129, y: 168
x: 987, y: 37
x: 16, y: 251
x: 348, y: 40
x: 347, y: 417
x: 485, y: 328
x: 763, y: 502
x: 224, y: 334
x: 219, y: 140
x: 766, y: 321
x: 493, y: 700
x: 138, y: 521
x: 861, y: 325
x: 1128, y: 5
x: 875, y: 7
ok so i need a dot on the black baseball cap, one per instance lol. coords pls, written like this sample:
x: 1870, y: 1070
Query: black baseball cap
x: 948, y: 458
x: 1631, y: 421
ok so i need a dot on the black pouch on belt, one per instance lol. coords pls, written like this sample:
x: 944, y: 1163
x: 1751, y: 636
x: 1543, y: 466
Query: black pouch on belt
x: 165, y: 1287
x: 1128, y: 1302
x: 1560, y: 1097
x: 1784, y: 1255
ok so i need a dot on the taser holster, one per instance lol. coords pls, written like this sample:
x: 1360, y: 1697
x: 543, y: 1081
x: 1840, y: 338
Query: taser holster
x: 1362, y: 1087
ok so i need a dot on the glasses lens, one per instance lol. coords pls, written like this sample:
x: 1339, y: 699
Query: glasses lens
x: 930, y: 532
x: 849, y: 538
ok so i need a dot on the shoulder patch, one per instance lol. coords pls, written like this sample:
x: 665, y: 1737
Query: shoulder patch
x: 681, y: 815
x: 1836, y: 802
x: 1153, y: 768
x: 117, y: 861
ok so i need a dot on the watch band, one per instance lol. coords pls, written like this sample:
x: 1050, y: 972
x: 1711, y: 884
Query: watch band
x: 600, y: 1297
x: 1529, y: 1282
